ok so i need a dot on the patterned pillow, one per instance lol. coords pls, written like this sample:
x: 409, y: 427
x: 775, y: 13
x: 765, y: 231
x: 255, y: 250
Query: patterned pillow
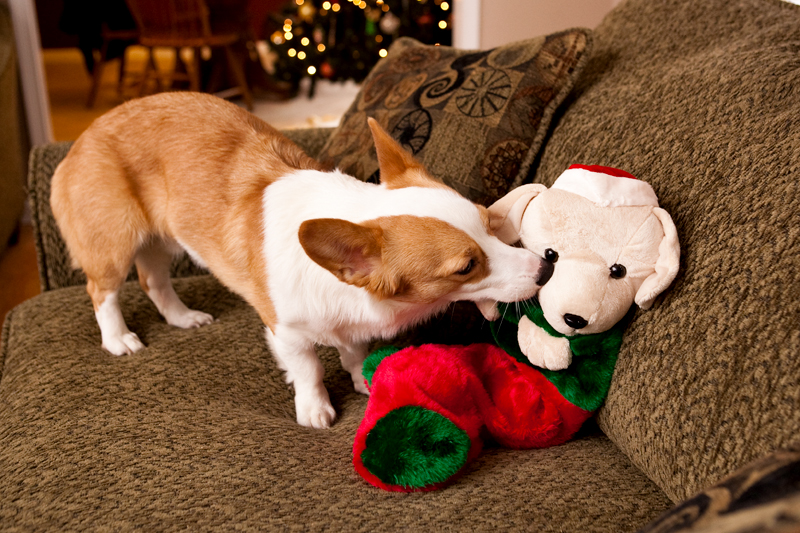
x: 476, y: 120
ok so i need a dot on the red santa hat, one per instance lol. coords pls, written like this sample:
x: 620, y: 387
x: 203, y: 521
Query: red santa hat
x: 606, y: 186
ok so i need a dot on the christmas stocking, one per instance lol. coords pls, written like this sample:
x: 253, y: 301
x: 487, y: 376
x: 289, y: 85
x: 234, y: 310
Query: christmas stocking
x: 429, y: 404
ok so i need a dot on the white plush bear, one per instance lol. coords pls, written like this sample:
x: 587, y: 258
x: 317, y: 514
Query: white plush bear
x: 610, y: 246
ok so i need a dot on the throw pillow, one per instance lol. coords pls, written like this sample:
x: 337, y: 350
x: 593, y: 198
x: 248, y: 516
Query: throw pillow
x: 475, y: 119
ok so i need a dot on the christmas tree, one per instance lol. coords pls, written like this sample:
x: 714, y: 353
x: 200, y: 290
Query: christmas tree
x: 343, y: 39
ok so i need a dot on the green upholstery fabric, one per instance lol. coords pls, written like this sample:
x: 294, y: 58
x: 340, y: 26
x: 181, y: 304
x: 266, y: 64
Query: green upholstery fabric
x: 197, y: 432
x: 700, y: 98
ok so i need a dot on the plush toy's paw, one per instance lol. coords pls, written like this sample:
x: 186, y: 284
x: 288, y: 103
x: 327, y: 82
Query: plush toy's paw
x: 541, y: 349
x: 413, y: 448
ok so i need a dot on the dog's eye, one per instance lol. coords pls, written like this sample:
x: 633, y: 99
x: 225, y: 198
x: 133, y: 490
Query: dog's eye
x: 467, y: 269
x: 618, y: 271
x: 550, y: 255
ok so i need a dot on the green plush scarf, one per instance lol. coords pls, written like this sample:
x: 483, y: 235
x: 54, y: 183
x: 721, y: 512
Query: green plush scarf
x: 586, y: 381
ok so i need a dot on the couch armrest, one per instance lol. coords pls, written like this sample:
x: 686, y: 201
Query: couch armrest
x: 761, y: 496
x: 55, y: 266
x: 55, y: 269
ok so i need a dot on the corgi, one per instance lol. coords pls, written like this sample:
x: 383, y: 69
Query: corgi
x: 322, y: 257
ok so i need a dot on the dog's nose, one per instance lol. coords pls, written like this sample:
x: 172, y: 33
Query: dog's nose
x: 575, y: 321
x: 545, y: 273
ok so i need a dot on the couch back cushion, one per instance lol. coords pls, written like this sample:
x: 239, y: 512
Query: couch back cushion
x: 701, y: 98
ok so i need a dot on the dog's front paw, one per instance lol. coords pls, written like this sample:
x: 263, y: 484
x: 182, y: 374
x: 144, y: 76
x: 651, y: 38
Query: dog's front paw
x: 189, y: 319
x: 124, y: 344
x: 314, y: 411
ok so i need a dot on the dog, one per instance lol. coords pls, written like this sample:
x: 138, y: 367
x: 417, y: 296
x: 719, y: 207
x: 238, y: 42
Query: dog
x: 322, y: 257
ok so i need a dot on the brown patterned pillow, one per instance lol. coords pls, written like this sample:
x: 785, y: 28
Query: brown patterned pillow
x: 476, y: 120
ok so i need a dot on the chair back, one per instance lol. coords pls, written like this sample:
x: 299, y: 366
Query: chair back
x: 171, y: 19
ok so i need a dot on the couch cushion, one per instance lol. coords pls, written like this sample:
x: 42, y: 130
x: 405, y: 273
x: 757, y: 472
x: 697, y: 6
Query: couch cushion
x: 701, y: 99
x: 476, y: 120
x: 197, y: 431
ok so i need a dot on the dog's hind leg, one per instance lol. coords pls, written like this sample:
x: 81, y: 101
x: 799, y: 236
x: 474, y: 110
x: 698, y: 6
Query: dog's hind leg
x: 105, y: 276
x: 152, y: 263
x: 117, y: 338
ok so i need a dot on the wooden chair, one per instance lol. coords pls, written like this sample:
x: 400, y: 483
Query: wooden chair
x: 185, y: 24
x: 108, y: 36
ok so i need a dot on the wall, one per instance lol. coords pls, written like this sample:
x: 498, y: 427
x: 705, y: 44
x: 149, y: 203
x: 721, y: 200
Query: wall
x: 31, y: 71
x: 481, y: 24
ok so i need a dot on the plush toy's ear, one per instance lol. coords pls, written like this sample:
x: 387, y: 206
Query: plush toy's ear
x: 669, y: 255
x: 505, y: 215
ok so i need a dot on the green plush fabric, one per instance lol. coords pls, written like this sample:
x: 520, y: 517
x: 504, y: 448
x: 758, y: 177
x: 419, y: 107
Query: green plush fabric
x: 586, y: 381
x: 415, y: 447
x: 700, y: 99
x: 197, y: 432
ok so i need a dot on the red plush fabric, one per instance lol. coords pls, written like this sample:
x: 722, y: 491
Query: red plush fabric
x: 611, y: 171
x: 476, y: 386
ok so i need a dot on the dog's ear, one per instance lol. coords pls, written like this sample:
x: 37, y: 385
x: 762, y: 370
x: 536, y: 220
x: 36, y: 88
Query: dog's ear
x: 397, y: 166
x: 505, y: 215
x: 667, y: 264
x: 351, y: 252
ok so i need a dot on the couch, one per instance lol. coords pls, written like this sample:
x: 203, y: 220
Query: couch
x: 700, y: 430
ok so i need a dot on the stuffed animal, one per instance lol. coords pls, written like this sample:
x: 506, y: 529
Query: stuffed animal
x: 610, y: 246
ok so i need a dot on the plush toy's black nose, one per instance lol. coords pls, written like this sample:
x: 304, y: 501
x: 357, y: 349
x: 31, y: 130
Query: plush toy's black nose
x: 575, y: 321
x: 545, y: 273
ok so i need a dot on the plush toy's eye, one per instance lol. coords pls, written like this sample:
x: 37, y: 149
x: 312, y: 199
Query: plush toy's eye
x: 467, y: 269
x: 550, y: 255
x: 618, y: 271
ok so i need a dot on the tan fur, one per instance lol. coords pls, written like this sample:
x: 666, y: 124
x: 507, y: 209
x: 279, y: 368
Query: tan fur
x: 175, y: 166
x: 399, y: 169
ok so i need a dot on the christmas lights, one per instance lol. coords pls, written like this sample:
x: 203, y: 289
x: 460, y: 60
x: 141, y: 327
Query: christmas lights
x: 340, y: 40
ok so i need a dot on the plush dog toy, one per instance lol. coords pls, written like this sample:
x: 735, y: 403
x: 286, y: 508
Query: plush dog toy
x: 610, y: 246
